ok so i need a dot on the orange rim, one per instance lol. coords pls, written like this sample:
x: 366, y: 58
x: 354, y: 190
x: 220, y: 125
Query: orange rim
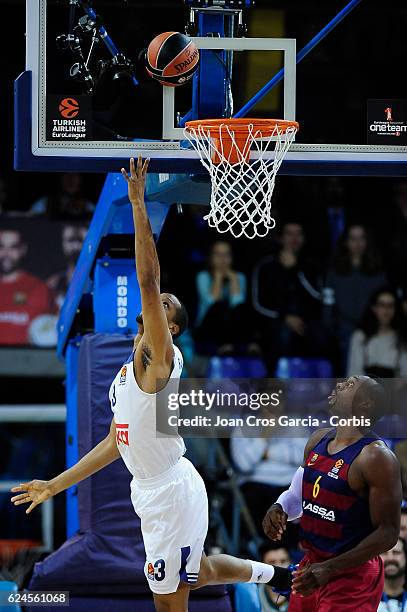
x: 241, y: 126
x: 230, y: 136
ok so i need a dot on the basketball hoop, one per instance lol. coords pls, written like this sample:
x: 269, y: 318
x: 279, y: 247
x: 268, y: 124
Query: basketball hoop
x: 242, y: 157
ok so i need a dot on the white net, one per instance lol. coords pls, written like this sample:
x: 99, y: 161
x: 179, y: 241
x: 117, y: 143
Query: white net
x: 243, y: 174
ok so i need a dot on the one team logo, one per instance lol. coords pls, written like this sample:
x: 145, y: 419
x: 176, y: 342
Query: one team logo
x: 123, y: 375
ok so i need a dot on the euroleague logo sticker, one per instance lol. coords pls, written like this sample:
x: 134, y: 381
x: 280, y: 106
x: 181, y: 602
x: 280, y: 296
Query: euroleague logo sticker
x: 69, y: 108
x: 123, y: 374
x: 69, y: 117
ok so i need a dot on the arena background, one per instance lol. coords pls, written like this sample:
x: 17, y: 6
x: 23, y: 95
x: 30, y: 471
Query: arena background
x: 29, y: 370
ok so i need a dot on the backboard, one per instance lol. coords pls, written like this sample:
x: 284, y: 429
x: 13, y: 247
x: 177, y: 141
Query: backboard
x: 61, y: 125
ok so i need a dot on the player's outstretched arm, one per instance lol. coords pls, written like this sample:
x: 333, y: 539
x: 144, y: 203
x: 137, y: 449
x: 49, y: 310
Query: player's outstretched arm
x: 38, y: 491
x: 381, y: 472
x: 155, y: 321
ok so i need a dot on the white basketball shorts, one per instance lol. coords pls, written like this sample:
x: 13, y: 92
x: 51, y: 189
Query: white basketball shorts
x: 173, y: 508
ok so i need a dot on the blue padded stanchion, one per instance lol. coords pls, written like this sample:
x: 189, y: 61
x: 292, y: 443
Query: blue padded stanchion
x: 9, y: 587
x: 106, y: 558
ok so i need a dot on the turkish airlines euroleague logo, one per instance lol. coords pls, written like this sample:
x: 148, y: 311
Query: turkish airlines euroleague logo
x: 69, y: 108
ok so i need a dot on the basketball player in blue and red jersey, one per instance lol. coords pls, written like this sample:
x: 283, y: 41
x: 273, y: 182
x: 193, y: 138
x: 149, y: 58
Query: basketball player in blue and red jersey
x: 348, y: 495
x: 167, y: 492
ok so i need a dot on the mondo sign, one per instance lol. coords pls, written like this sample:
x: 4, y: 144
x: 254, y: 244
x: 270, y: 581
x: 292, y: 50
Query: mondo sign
x: 122, y: 283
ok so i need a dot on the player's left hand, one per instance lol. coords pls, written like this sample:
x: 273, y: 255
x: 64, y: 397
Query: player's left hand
x: 137, y: 179
x: 307, y: 579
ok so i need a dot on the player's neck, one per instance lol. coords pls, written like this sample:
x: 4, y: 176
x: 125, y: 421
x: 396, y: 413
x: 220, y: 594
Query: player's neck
x: 393, y: 587
x: 346, y: 435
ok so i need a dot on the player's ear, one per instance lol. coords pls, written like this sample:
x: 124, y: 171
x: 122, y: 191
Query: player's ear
x: 174, y: 329
x: 362, y: 408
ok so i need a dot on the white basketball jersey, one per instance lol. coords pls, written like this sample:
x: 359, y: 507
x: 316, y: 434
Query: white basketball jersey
x: 144, y: 454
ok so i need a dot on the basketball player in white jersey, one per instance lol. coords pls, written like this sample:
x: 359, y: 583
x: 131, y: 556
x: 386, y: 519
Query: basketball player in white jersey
x: 167, y: 492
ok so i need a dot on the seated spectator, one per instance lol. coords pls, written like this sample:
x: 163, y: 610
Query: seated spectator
x: 267, y: 465
x: 23, y: 297
x: 261, y: 597
x: 395, y: 594
x: 73, y: 236
x: 67, y: 202
x: 356, y: 273
x: 221, y: 296
x: 379, y: 346
x: 274, y: 555
x: 286, y: 296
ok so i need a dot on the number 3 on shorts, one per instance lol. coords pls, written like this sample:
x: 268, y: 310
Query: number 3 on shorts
x: 159, y: 570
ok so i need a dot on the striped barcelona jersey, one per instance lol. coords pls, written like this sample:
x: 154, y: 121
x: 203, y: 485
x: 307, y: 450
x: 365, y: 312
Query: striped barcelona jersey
x: 335, y: 518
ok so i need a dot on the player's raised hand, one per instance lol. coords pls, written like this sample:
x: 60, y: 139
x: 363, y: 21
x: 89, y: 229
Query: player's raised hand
x: 136, y: 181
x: 275, y: 522
x: 34, y: 493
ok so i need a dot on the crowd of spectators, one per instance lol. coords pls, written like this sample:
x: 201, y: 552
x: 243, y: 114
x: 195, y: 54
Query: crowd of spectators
x: 30, y: 300
x: 329, y: 284
x: 39, y: 248
x: 349, y: 309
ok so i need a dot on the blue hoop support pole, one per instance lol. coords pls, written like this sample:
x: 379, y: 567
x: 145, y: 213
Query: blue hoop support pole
x: 300, y: 56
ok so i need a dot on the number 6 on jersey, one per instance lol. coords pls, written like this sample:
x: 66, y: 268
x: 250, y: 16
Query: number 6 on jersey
x: 316, y: 488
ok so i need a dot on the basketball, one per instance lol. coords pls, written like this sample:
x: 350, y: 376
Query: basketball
x: 172, y: 58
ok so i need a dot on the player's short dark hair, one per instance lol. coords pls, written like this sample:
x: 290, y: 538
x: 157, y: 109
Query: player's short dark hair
x: 181, y: 319
x: 373, y: 391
